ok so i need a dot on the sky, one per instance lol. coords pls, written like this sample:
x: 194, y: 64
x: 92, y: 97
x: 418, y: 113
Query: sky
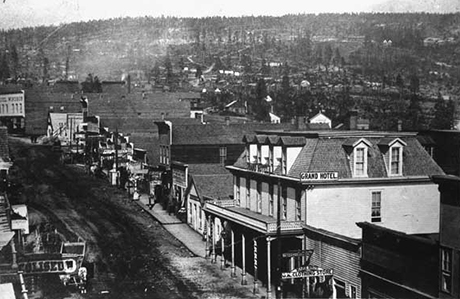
x: 23, y: 13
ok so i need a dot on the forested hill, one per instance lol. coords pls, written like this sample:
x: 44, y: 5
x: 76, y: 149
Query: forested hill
x: 115, y: 46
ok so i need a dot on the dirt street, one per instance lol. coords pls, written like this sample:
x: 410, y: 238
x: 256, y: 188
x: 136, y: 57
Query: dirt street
x: 133, y: 255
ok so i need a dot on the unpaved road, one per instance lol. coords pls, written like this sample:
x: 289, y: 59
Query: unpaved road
x: 134, y: 256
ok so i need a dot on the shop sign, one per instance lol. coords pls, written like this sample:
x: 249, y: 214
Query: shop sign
x: 319, y: 176
x: 307, y: 273
x: 178, y: 178
x: 298, y: 253
x: 51, y: 266
x: 19, y: 218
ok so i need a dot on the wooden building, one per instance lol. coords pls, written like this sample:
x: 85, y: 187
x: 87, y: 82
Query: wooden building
x: 294, y: 190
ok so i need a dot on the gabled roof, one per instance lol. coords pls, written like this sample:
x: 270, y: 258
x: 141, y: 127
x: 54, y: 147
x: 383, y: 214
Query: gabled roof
x: 353, y: 142
x: 291, y: 141
x: 390, y: 141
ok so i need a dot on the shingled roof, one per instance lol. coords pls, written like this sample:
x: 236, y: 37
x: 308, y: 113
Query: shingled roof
x: 212, y: 180
x: 220, y: 133
x: 330, y: 152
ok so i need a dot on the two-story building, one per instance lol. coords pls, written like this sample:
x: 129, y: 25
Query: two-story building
x: 449, y: 241
x: 185, y: 142
x: 304, y: 190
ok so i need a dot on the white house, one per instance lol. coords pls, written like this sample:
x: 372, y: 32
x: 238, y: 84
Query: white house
x: 320, y: 118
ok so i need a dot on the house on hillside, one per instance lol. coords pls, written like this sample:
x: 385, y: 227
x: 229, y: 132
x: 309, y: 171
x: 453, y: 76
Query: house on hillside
x: 308, y: 189
x: 320, y: 118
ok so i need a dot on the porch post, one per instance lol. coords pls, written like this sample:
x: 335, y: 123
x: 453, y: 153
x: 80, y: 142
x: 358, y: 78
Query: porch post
x: 232, y: 234
x: 222, y: 244
x: 214, y: 255
x: 269, y: 269
x: 14, y: 264
x: 256, y: 287
x: 243, y: 248
x: 304, y: 260
x: 208, y: 223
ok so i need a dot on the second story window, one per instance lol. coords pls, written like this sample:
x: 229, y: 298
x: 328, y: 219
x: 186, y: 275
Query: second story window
x: 271, y: 200
x: 376, y: 214
x: 248, y: 193
x: 166, y: 154
x: 259, y: 197
x: 284, y: 203
x: 298, y: 205
x: 284, y: 161
x: 446, y: 270
x: 237, y: 190
x: 222, y: 155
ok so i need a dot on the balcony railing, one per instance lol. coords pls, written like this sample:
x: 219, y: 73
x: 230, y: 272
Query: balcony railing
x: 259, y: 167
x: 251, y: 220
x: 226, y: 203
x: 285, y: 226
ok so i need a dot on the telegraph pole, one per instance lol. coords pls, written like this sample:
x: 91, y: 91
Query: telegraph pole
x: 116, y: 156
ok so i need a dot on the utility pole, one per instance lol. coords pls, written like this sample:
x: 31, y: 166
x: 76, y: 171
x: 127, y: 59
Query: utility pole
x: 278, y: 242
x: 116, y: 155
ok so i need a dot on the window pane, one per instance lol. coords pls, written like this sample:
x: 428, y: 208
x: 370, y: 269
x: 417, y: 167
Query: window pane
x: 376, y: 207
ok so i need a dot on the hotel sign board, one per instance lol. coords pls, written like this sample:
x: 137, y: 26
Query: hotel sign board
x: 319, y: 176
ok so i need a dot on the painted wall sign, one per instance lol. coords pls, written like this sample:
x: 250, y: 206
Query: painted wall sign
x: 12, y: 104
x: 319, y: 176
x: 52, y: 266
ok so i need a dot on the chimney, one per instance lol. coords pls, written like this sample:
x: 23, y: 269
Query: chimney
x: 353, y: 120
x: 399, y: 125
x: 129, y: 83
x: 84, y: 107
x: 227, y: 120
x: 162, y: 116
x: 301, y: 124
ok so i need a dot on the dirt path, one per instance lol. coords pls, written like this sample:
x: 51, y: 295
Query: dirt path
x: 135, y: 256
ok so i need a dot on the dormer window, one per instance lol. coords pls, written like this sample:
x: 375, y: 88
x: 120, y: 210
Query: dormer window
x: 358, y: 150
x: 392, y: 148
x: 396, y: 160
x: 360, y: 161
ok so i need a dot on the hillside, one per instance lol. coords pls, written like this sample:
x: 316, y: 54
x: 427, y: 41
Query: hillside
x: 430, y: 6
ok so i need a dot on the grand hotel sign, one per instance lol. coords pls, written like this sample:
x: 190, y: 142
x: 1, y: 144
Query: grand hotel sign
x: 319, y: 176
